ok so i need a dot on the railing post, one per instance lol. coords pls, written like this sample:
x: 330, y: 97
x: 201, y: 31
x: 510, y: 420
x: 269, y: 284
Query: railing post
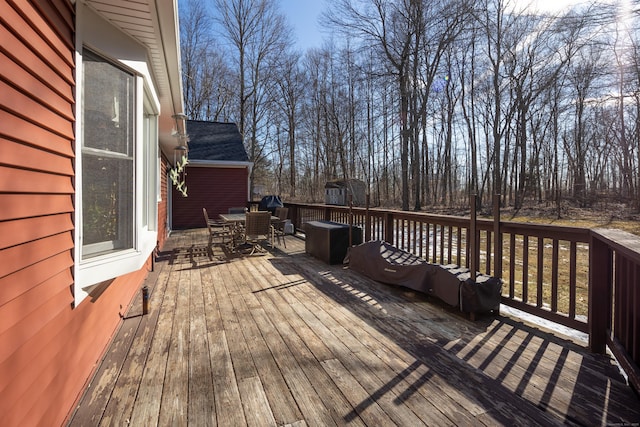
x: 497, y: 238
x: 473, y: 243
x: 367, y: 219
x: 327, y: 213
x: 388, y: 227
x: 350, y: 220
x: 293, y: 214
x: 600, y: 282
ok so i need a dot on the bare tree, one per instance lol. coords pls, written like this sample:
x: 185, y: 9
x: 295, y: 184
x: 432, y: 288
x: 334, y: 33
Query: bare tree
x: 525, y: 105
x: 397, y: 29
x: 207, y: 80
x: 288, y: 98
x: 258, y: 34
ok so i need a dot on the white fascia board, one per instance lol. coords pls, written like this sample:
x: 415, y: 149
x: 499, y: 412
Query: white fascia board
x: 170, y: 37
x: 221, y: 164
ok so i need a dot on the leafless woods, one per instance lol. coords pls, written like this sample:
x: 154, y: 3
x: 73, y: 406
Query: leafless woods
x: 427, y: 102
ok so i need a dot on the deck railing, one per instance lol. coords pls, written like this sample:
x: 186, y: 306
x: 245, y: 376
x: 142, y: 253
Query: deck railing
x: 614, y: 292
x: 585, y: 279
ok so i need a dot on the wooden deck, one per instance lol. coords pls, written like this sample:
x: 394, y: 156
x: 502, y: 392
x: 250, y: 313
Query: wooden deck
x: 283, y: 339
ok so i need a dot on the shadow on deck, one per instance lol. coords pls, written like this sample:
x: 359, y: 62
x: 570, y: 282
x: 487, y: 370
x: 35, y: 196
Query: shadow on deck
x: 283, y: 339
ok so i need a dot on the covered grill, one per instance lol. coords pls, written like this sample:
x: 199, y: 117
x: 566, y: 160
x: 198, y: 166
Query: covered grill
x: 270, y: 203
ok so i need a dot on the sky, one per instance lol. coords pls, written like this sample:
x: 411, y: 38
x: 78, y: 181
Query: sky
x: 553, y: 5
x: 303, y: 17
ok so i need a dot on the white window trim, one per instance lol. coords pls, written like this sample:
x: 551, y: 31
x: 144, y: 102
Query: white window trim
x: 100, y: 36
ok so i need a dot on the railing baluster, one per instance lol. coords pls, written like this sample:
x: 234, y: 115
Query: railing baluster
x: 540, y: 271
x: 635, y: 315
x: 427, y: 243
x: 473, y: 238
x: 525, y: 269
x: 449, y: 244
x: 435, y: 242
x: 459, y: 247
x: 467, y: 249
x: 421, y: 236
x: 512, y: 264
x: 554, y: 277
x: 488, y: 253
x: 572, y: 280
x: 497, y: 238
x: 442, y: 244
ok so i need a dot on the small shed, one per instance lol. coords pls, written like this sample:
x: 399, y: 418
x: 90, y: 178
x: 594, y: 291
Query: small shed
x: 337, y: 192
x: 217, y: 176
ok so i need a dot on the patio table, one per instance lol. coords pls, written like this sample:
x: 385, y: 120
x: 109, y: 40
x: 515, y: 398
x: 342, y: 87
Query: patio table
x: 236, y: 224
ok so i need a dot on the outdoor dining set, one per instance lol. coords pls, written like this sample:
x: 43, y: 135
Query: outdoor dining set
x: 243, y: 232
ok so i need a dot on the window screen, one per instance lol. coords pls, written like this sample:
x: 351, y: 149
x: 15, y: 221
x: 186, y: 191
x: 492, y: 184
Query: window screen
x: 107, y: 156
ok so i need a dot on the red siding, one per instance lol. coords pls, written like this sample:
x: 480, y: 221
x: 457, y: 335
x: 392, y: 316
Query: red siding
x: 163, y: 205
x: 214, y: 188
x: 48, y: 348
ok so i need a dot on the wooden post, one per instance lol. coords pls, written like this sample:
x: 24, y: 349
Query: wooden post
x: 350, y: 220
x: 367, y: 219
x: 497, y: 238
x: 296, y: 219
x: 388, y: 227
x: 473, y: 264
x: 145, y: 299
x: 600, y: 282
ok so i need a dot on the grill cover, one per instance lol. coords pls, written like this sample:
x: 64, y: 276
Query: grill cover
x: 270, y: 203
x: 388, y: 264
x: 385, y: 263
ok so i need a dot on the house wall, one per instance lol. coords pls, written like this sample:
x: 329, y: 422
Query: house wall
x: 163, y: 204
x: 214, y: 188
x: 48, y: 347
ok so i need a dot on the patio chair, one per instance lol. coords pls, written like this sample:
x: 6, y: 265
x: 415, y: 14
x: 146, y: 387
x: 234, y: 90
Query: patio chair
x: 217, y: 229
x: 258, y: 227
x: 278, y: 226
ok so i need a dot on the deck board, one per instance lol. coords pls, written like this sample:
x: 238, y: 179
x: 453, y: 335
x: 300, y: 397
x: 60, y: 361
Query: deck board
x: 282, y: 339
x: 201, y: 409
x: 173, y: 405
x: 307, y: 349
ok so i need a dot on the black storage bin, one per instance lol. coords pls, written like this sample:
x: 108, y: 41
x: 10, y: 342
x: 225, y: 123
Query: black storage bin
x: 329, y: 240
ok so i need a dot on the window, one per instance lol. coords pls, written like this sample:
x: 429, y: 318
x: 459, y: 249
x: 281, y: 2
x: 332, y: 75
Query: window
x: 151, y: 168
x: 108, y: 142
x: 117, y: 146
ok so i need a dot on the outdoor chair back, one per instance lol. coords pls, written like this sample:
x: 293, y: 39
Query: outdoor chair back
x: 215, y: 228
x: 258, y: 228
x: 282, y: 213
x: 278, y: 226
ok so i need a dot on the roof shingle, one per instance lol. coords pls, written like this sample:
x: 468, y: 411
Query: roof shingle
x: 215, y: 141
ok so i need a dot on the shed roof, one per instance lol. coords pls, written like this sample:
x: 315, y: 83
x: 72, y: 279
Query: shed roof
x: 215, y: 141
x: 341, y: 183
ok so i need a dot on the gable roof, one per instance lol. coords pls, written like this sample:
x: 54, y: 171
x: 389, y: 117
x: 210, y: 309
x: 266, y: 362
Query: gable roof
x: 215, y: 141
